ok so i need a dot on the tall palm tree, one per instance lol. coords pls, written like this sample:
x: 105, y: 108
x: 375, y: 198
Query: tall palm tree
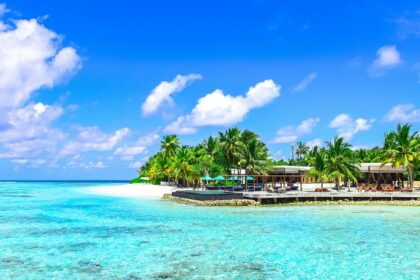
x: 157, y: 167
x: 301, y: 149
x: 169, y: 145
x: 340, y: 160
x: 320, y: 170
x: 254, y: 157
x: 211, y: 146
x: 231, y: 146
x: 402, y: 148
x: 183, y: 163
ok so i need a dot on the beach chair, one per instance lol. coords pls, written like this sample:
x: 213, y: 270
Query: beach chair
x: 238, y: 188
x: 373, y: 188
x: 360, y: 187
x: 366, y: 188
x: 294, y: 188
x: 259, y: 188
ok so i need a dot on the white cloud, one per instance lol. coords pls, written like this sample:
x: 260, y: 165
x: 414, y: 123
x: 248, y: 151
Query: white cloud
x: 387, y: 57
x: 162, y: 93
x: 290, y: 134
x: 129, y: 152
x: 27, y: 131
x: 3, y: 9
x: 302, y: 85
x: 314, y: 142
x: 20, y: 161
x: 33, y: 163
x: 347, y: 127
x: 93, y: 165
x: 135, y: 165
x: 218, y: 109
x: 31, y: 57
x: 30, y: 122
x: 404, y: 113
x: 93, y: 139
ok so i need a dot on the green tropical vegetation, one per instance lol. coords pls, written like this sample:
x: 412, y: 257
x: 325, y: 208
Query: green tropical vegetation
x: 337, y: 161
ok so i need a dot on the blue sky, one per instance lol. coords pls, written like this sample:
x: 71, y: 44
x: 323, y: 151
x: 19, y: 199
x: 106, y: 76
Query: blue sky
x: 88, y: 90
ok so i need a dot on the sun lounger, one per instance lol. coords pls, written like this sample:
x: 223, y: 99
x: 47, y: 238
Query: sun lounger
x: 235, y: 188
x: 256, y: 188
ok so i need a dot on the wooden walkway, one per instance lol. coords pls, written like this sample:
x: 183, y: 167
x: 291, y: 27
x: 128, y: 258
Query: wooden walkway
x: 269, y: 198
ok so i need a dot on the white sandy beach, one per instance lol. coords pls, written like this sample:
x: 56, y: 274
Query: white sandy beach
x: 133, y: 190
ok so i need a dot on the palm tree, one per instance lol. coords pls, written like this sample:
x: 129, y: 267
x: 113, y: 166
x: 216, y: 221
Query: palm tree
x: 255, y: 157
x: 182, y: 163
x: 169, y: 145
x: 157, y: 166
x: 231, y: 146
x: 340, y: 160
x: 402, y: 148
x: 211, y: 146
x: 320, y: 170
x: 301, y: 149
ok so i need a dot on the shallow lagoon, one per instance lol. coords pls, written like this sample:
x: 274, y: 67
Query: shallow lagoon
x: 56, y: 230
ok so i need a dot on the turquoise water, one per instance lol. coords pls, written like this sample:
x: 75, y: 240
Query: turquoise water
x: 58, y: 231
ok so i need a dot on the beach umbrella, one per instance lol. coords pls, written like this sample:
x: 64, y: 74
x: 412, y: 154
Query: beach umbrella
x: 219, y: 178
x: 250, y: 178
x: 207, y: 178
x: 145, y: 178
x: 234, y: 178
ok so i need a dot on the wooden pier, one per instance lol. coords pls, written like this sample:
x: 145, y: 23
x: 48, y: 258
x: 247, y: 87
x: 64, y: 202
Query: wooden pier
x: 274, y: 198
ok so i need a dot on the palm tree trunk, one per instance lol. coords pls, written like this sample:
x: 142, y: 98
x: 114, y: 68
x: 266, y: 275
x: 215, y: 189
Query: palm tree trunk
x: 185, y: 176
x: 337, y: 182
x: 410, y: 175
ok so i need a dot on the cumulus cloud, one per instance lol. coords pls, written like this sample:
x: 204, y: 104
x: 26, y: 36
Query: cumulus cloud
x: 31, y: 57
x: 162, y: 93
x: 220, y: 109
x: 93, y: 165
x: 30, y: 122
x: 27, y: 131
x: 302, y: 85
x: 347, y: 127
x: 128, y: 152
x: 3, y: 9
x: 387, y: 58
x: 135, y: 165
x: 314, y: 142
x: 290, y: 134
x: 404, y: 113
x: 93, y: 139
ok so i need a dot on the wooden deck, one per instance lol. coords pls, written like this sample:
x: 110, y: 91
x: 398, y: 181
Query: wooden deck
x: 270, y: 198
